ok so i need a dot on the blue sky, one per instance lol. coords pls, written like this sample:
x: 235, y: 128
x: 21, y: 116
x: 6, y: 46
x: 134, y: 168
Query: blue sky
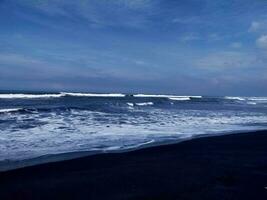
x: 200, y: 47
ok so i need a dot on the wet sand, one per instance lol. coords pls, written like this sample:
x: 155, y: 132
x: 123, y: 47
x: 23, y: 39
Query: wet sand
x: 220, y: 167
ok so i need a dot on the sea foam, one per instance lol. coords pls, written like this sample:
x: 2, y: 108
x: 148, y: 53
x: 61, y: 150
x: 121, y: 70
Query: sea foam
x: 92, y: 94
x: 62, y: 94
x: 235, y: 98
x: 180, y: 98
x: 10, y: 110
x: 145, y: 104
x: 29, y: 96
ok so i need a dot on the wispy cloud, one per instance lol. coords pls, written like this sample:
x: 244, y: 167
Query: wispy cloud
x: 258, y: 26
x: 34, y: 67
x: 262, y: 41
x: 190, y: 37
x: 17, y: 59
x: 97, y: 13
x: 236, y: 45
x: 255, y: 26
x: 226, y: 60
x: 215, y: 37
x: 187, y: 20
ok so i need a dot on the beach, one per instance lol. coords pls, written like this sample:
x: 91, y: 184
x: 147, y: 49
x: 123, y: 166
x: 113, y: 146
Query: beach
x: 133, y: 100
x: 219, y: 167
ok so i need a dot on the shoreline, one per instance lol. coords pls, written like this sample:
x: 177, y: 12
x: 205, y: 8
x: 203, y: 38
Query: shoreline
x: 231, y: 166
x: 61, y: 157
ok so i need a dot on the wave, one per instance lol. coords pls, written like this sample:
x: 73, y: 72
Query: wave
x: 164, y: 96
x: 10, y: 110
x: 143, y: 144
x: 145, y: 104
x: 62, y: 94
x: 180, y: 98
x: 252, y: 103
x: 92, y: 94
x: 108, y: 95
x: 251, y: 100
x: 130, y: 104
x: 29, y: 96
x: 257, y: 98
x: 235, y: 98
x: 65, y: 94
x: 140, y: 104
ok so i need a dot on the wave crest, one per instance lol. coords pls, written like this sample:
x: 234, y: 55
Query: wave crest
x: 10, y: 110
x: 145, y: 104
x: 29, y: 96
x: 164, y: 96
x: 92, y: 94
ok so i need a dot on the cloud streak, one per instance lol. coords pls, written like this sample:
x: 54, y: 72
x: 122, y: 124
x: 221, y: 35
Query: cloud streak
x: 230, y: 60
x: 262, y: 42
x: 97, y: 13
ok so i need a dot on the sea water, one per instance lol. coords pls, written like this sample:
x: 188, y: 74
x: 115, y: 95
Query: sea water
x: 38, y: 124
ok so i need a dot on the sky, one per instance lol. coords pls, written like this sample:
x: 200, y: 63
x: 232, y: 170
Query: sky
x: 185, y: 47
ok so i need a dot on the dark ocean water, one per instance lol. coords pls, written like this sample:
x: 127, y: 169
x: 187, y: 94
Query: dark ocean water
x: 32, y: 125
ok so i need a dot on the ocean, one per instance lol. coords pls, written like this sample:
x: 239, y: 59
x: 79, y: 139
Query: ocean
x: 39, y: 124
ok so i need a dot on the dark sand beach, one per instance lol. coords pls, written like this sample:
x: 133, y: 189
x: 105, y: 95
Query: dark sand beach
x: 222, y: 167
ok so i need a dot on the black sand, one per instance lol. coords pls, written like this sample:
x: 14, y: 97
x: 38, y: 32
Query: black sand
x: 223, y: 167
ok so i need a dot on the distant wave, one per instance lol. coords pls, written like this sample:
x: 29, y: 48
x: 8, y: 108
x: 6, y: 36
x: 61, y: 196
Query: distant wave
x: 130, y: 104
x: 111, y: 95
x: 180, y: 98
x: 164, y: 96
x: 235, y: 98
x: 251, y: 99
x: 10, y: 110
x: 252, y: 103
x: 29, y: 96
x: 145, y: 104
x: 93, y: 94
x: 257, y: 98
x: 62, y: 94
x: 140, y: 104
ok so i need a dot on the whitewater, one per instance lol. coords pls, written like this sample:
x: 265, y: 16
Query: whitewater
x: 38, y: 124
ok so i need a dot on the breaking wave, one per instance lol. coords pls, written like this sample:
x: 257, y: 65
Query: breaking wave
x: 145, y: 104
x: 163, y: 96
x: 65, y: 94
x: 10, y: 110
x: 29, y: 96
x: 236, y: 98
x: 180, y: 98
x: 92, y: 95
x: 62, y: 94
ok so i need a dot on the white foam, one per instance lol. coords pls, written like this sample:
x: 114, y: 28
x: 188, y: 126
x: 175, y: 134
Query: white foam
x: 130, y: 104
x: 62, y: 94
x: 93, y: 94
x: 144, y: 143
x: 257, y: 98
x: 9, y: 110
x: 180, y: 98
x: 164, y: 96
x: 235, y: 98
x: 145, y: 104
x: 81, y: 130
x: 28, y: 96
x: 252, y: 103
